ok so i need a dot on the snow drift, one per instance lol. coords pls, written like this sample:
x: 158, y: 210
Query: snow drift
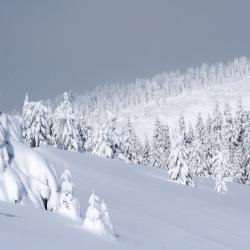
x: 27, y: 178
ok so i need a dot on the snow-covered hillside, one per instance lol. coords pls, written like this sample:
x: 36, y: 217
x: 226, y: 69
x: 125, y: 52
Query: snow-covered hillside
x: 189, y: 104
x: 128, y: 201
x: 147, y: 211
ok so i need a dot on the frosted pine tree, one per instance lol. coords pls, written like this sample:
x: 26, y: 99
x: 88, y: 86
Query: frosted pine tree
x: 28, y: 134
x: 130, y: 145
x: 146, y: 152
x: 90, y: 139
x: 102, y: 143
x: 69, y: 204
x: 37, y: 130
x: 246, y: 154
x: 106, y: 141
x: 83, y: 132
x: 64, y: 131
x: 198, y: 161
x: 97, y: 219
x: 178, y: 161
x: 199, y: 128
x: 4, y: 156
x: 208, y: 143
x: 161, y: 145
x: 220, y: 165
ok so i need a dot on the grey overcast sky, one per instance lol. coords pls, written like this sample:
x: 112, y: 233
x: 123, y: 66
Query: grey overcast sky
x: 49, y: 46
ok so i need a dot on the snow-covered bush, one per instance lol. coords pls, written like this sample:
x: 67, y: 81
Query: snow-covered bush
x: 97, y: 218
x: 68, y: 203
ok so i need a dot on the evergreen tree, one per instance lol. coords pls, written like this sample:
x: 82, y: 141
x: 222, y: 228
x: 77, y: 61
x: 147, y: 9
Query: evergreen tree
x: 4, y: 156
x: 179, y: 163
x: 208, y: 144
x: 102, y: 145
x: 83, y: 132
x: 199, y: 128
x: 198, y: 157
x: 198, y: 162
x: 146, y: 153
x: 37, y: 129
x: 69, y: 204
x: 130, y: 145
x: 64, y: 131
x: 106, y: 142
x: 161, y: 145
x: 221, y: 163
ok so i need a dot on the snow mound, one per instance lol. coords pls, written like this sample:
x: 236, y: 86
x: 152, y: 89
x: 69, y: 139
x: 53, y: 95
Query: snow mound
x: 27, y: 178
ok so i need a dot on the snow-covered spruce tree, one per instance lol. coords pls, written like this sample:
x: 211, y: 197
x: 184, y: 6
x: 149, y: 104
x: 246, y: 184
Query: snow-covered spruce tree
x: 146, y: 152
x: 221, y: 163
x: 4, y: 155
x: 69, y: 204
x: 83, y: 132
x: 179, y: 171
x: 64, y: 130
x: 27, y: 121
x: 208, y: 143
x: 199, y: 128
x: 97, y: 219
x: 90, y: 138
x: 106, y: 139
x: 37, y: 120
x: 246, y: 154
x: 198, y: 161
x: 161, y: 145
x: 130, y: 150
x: 238, y: 148
x: 102, y: 143
x: 236, y: 171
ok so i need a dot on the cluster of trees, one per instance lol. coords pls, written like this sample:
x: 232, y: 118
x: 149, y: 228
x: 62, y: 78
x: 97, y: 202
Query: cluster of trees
x: 217, y: 148
x: 119, y: 97
x: 97, y: 219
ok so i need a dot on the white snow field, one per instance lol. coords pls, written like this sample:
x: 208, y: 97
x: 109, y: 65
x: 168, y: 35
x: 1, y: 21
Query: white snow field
x: 188, y: 103
x: 147, y: 211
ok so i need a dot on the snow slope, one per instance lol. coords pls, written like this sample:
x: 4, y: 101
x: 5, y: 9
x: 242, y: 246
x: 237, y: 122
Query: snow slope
x: 147, y: 211
x: 189, y: 103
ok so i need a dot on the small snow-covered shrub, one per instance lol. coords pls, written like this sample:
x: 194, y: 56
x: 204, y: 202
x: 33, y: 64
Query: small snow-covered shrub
x: 97, y: 218
x: 68, y: 203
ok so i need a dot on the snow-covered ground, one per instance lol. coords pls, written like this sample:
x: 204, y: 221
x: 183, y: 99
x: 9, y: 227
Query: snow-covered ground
x: 189, y: 104
x: 147, y: 211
